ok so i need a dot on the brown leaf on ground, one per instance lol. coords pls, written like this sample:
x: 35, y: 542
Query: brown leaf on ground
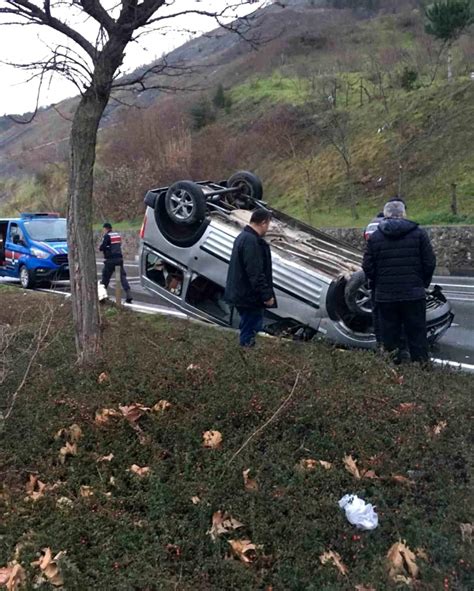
x: 103, y: 416
x: 402, y: 480
x: 86, y: 491
x: 69, y: 449
x: 35, y: 489
x: 212, y: 439
x: 193, y: 366
x: 335, y: 558
x: 103, y: 377
x: 12, y: 576
x: 351, y: 466
x: 244, y: 550
x: 405, y: 408
x: 50, y: 568
x: 467, y: 531
x: 249, y: 483
x: 436, y: 430
x: 142, y: 472
x: 108, y: 458
x: 402, y: 563
x: 370, y: 474
x: 134, y: 411
x: 307, y: 465
x: 195, y: 500
x: 72, y: 433
x: 223, y: 523
x: 364, y: 588
x: 325, y: 465
x: 397, y: 378
x: 161, y: 406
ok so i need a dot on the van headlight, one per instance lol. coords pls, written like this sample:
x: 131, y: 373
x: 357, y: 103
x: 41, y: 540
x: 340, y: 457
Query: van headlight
x: 41, y: 254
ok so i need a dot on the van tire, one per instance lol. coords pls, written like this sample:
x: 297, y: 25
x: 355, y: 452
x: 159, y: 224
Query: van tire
x: 357, y: 295
x: 27, y: 278
x: 249, y: 183
x: 185, y: 203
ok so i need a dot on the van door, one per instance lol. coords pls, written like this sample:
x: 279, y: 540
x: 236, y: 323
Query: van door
x: 165, y: 277
x: 15, y: 248
x: 3, y: 239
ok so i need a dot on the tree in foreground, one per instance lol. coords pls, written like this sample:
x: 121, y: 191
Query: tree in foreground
x: 446, y: 21
x: 95, y: 36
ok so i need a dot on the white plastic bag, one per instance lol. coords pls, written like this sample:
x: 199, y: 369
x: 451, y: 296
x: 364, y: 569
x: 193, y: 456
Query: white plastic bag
x: 101, y: 291
x: 359, y: 513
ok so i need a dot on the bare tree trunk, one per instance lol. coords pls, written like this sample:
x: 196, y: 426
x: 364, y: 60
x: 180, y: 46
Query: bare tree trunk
x: 82, y: 261
x: 450, y: 64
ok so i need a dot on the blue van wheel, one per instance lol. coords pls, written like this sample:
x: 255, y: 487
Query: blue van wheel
x: 26, y: 278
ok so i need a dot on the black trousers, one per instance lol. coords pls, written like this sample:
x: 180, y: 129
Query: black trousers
x: 108, y: 271
x: 408, y: 318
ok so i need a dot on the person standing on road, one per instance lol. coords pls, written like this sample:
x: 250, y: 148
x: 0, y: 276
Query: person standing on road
x: 400, y: 262
x: 249, y: 285
x: 111, y: 246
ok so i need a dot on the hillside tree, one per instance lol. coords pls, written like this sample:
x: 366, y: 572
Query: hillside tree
x: 92, y: 37
x: 446, y: 21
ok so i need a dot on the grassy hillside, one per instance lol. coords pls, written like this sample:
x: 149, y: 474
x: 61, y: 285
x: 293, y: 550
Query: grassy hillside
x: 68, y: 483
x: 337, y: 111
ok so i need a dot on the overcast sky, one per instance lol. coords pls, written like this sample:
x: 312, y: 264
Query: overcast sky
x: 24, y: 44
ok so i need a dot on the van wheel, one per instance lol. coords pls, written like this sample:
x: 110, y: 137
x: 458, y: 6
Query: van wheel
x: 249, y: 184
x: 27, y: 279
x: 185, y: 203
x: 358, y: 296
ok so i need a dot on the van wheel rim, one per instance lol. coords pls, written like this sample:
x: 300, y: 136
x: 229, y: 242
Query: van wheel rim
x: 24, y: 278
x: 181, y: 205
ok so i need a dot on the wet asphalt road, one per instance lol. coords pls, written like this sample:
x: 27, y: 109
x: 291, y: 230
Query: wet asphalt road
x: 457, y: 344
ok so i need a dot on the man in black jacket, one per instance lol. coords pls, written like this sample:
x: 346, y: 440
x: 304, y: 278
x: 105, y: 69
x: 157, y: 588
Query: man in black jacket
x: 400, y: 262
x: 111, y: 246
x: 249, y: 284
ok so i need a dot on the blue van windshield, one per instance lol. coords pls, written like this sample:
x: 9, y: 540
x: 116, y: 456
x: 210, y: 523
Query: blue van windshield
x: 52, y: 230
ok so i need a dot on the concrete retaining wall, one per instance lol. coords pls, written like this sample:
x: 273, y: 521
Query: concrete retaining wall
x: 454, y: 245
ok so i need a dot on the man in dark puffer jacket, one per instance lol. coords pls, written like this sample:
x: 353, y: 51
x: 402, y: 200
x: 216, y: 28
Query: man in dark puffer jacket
x: 400, y: 262
x: 249, y: 285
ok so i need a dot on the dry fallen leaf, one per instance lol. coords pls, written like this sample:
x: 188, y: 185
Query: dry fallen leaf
x: 134, y: 411
x: 72, y: 433
x: 212, y: 439
x: 161, y: 406
x: 370, y: 474
x: 249, y: 483
x: 402, y: 563
x: 307, y: 465
x: 437, y: 429
x: 103, y: 416
x: 351, y: 466
x: 244, y: 550
x: 193, y: 366
x: 335, y: 558
x: 103, y: 377
x: 108, y: 458
x: 49, y: 567
x: 69, y: 449
x: 467, y: 531
x: 35, y: 488
x: 195, y: 500
x: 325, y: 465
x: 12, y: 576
x: 86, y: 491
x: 223, y: 523
x: 363, y: 588
x: 421, y: 553
x: 140, y: 471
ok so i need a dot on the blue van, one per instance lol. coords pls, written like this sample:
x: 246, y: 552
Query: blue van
x: 33, y: 248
